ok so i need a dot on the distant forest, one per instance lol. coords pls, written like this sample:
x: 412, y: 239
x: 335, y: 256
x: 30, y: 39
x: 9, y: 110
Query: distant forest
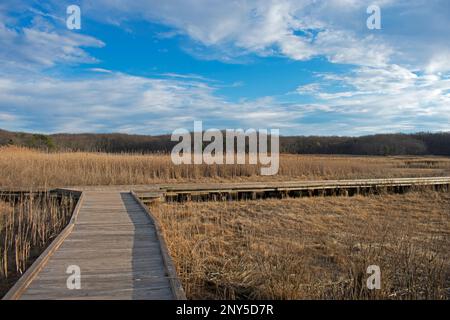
x: 380, y: 144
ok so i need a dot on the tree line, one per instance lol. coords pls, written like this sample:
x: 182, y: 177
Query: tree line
x: 379, y: 144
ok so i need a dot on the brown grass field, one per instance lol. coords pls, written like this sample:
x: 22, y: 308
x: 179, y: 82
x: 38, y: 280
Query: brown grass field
x: 312, y: 248
x: 26, y: 228
x: 28, y: 169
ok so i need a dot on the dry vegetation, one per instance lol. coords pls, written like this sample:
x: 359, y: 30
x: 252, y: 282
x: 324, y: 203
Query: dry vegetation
x: 25, y: 168
x: 27, y: 226
x: 312, y: 247
x: 282, y: 249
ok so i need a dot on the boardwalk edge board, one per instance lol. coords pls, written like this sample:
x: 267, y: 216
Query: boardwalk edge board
x: 24, y: 281
x: 175, y: 283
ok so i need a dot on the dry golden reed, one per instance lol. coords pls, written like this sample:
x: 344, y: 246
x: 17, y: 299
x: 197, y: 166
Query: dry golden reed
x: 25, y: 168
x: 282, y: 249
x: 311, y: 248
x: 27, y: 226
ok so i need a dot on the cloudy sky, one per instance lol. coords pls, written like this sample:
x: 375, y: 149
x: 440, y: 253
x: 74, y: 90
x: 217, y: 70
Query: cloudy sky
x: 309, y: 67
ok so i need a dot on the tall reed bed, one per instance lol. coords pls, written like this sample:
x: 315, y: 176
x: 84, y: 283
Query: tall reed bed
x: 25, y: 168
x: 311, y: 248
x: 27, y: 226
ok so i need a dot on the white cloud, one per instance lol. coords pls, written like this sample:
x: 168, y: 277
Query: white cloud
x: 399, y: 81
x: 100, y: 70
x: 308, y: 88
x: 120, y: 102
x: 42, y: 46
x: 439, y: 62
x: 390, y: 96
x: 5, y: 117
x: 114, y: 102
x: 413, y: 32
x: 297, y: 29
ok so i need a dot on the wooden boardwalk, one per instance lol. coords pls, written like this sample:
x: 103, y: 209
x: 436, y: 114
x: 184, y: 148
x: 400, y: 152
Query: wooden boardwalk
x: 256, y: 190
x: 115, y: 244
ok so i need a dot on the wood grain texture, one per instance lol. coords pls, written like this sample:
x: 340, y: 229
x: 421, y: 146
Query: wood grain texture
x: 114, y: 243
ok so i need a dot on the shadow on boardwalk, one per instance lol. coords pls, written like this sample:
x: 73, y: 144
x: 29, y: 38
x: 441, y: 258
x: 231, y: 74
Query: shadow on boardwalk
x: 150, y: 280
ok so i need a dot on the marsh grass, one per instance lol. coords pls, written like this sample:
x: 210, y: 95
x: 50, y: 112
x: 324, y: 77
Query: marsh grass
x: 27, y: 226
x: 26, y: 168
x: 311, y: 248
x: 267, y: 249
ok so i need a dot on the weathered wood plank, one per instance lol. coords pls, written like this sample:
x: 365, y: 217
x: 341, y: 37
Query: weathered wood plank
x: 214, y: 187
x: 218, y: 191
x: 116, y: 246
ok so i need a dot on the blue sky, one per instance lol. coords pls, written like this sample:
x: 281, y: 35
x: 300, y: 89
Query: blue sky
x: 307, y: 67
